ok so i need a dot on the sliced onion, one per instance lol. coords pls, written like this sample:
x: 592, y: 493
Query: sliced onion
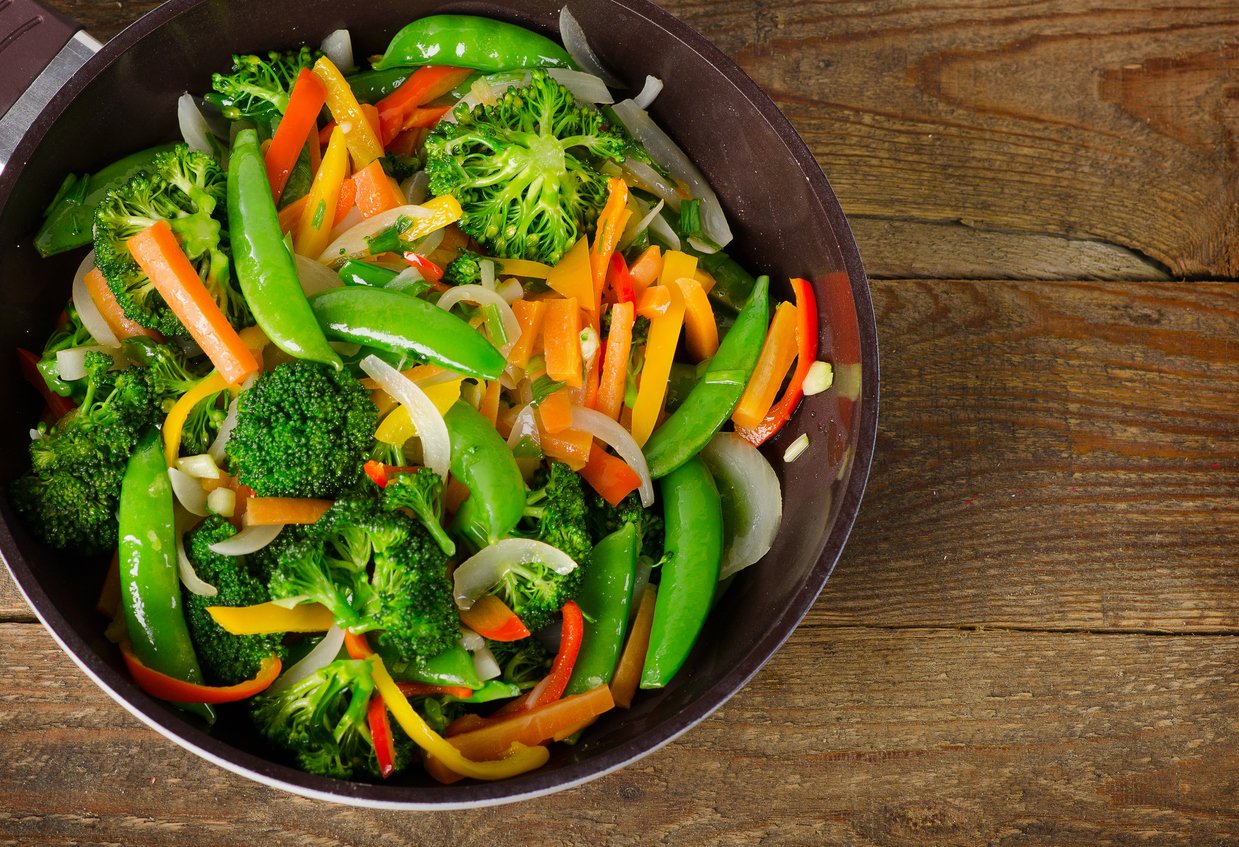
x: 249, y: 540
x: 194, y: 128
x: 653, y: 213
x: 613, y: 434
x: 316, y: 277
x: 793, y: 451
x: 408, y: 278
x: 486, y: 90
x: 485, y: 665
x: 416, y: 187
x: 524, y: 425
x: 653, y: 86
x: 353, y: 241
x: 578, y: 48
x: 486, y: 269
x: 511, y: 290
x: 482, y: 296
x: 663, y: 230
x: 216, y: 450
x: 323, y: 654
x: 189, y: 577
x: 645, y: 177
x: 338, y: 47
x: 71, y: 362
x: 201, y: 466
x: 188, y: 492
x: 223, y: 502
x: 351, y: 218
x: 819, y: 378
x: 482, y: 571
x: 667, y: 153
x: 430, y: 426
x: 752, y: 500
x: 587, y: 88
x: 87, y: 311
x: 470, y: 640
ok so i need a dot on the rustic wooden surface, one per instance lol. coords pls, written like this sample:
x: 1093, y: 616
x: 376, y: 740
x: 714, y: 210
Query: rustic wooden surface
x: 1030, y: 638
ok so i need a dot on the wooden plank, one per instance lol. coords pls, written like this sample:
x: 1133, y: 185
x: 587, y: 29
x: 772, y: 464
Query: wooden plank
x: 850, y: 736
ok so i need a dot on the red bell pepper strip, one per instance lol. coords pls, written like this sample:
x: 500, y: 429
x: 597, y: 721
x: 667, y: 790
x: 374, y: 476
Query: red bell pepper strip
x: 381, y: 737
x: 431, y: 272
x: 552, y: 687
x: 620, y: 279
x: 57, y: 406
x: 178, y: 691
x: 491, y: 618
x: 381, y: 474
x: 425, y: 84
x: 304, y: 104
x: 806, y: 355
x: 357, y: 645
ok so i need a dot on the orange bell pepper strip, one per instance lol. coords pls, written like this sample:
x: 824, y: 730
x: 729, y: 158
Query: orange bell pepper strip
x: 291, y: 214
x: 611, y: 386
x: 653, y: 301
x: 647, y: 268
x: 264, y: 618
x: 346, y: 200
x: 700, y: 329
x: 178, y: 691
x: 659, y: 354
x: 375, y: 192
x: 319, y: 215
x: 304, y: 104
x: 423, y: 85
x: 491, y: 618
x: 555, y: 411
x: 363, y: 142
x: 561, y: 339
x: 632, y: 660
x: 776, y: 357
x: 610, y: 476
x: 161, y: 258
x: 529, y: 314
x: 271, y: 511
x: 611, y: 222
x: 806, y: 339
x: 113, y: 315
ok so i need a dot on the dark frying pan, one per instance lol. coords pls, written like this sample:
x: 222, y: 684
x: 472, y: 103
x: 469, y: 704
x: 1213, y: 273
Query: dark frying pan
x: 80, y: 109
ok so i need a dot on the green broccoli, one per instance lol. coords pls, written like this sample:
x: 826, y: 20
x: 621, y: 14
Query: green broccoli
x: 523, y: 663
x: 525, y: 169
x: 259, y: 86
x: 421, y: 492
x: 185, y: 188
x: 554, y: 513
x: 604, y: 519
x: 303, y: 430
x: 465, y: 269
x: 173, y: 374
x: 226, y: 659
x: 69, y: 497
x: 375, y: 570
x: 321, y: 721
x: 69, y: 334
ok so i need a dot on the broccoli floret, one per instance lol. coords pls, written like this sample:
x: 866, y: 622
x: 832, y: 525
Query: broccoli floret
x: 258, y: 86
x: 555, y: 514
x: 604, y: 519
x: 303, y: 430
x: 523, y: 663
x: 321, y: 721
x: 69, y: 334
x: 524, y: 169
x: 465, y: 269
x: 185, y: 188
x: 226, y: 659
x: 421, y: 492
x: 173, y: 374
x: 69, y: 497
x: 375, y: 570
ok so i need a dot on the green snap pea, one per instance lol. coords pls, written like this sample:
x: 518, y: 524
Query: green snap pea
x: 468, y: 41
x: 454, y: 667
x: 389, y: 320
x: 372, y: 86
x: 482, y: 461
x: 354, y: 272
x: 70, y: 219
x: 265, y: 268
x: 693, y: 516
x: 732, y: 283
x: 149, y: 580
x: 606, y: 592
x: 491, y: 690
x: 714, y: 397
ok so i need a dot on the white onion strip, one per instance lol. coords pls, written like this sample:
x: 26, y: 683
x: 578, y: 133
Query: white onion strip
x: 316, y: 277
x: 752, y: 500
x: 652, y: 88
x: 189, y: 577
x: 643, y: 176
x: 578, y: 48
x: 485, y: 665
x: 524, y: 425
x: 189, y: 492
x: 71, y: 363
x: 225, y: 432
x: 338, y: 47
x: 430, y: 426
x: 587, y: 88
x: 482, y: 296
x: 248, y: 540
x: 614, y: 435
x: 653, y: 213
x: 323, y: 654
x: 87, y: 311
x: 353, y: 241
x: 193, y: 125
x: 482, y: 571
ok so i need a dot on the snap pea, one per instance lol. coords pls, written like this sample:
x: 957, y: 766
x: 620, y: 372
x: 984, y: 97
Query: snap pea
x: 714, y: 397
x: 396, y: 322
x: 149, y: 580
x: 354, y: 272
x: 70, y: 219
x: 693, y: 516
x: 606, y: 592
x: 468, y: 41
x: 453, y: 667
x: 264, y: 266
x: 482, y: 461
x: 372, y: 86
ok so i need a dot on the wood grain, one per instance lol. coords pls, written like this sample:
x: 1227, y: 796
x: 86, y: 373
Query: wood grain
x: 850, y: 736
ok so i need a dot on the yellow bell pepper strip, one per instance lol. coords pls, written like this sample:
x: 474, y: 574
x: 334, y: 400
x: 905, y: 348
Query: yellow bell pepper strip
x: 174, y: 424
x: 319, y: 215
x: 632, y: 660
x: 611, y: 222
x: 561, y: 338
x: 523, y: 267
x: 806, y: 355
x: 265, y: 618
x: 699, y: 326
x: 659, y: 354
x: 176, y: 690
x: 276, y: 511
x: 777, y: 354
x: 572, y: 277
x: 519, y: 759
x: 675, y: 266
x: 363, y: 142
x: 398, y: 428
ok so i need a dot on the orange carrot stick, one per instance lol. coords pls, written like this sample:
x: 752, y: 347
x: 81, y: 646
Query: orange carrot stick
x: 611, y: 222
x: 291, y: 214
x: 699, y: 326
x: 555, y: 411
x: 374, y: 190
x: 654, y: 301
x: 647, y: 268
x: 529, y: 314
x: 571, y: 446
x: 113, y: 314
x: 610, y: 476
x: 777, y: 354
x: 561, y: 338
x: 269, y: 511
x: 615, y: 362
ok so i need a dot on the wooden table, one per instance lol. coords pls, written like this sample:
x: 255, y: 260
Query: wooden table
x: 1031, y: 637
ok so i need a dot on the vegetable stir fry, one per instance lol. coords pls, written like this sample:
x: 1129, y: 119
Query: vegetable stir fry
x: 417, y: 405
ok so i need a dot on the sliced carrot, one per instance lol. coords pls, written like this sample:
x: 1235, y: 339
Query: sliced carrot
x: 491, y: 618
x: 571, y: 446
x: 611, y: 223
x: 700, y: 329
x: 555, y: 411
x: 161, y: 258
x: 647, y: 268
x: 319, y: 215
x: 659, y: 354
x: 610, y: 476
x: 346, y: 200
x: 374, y: 190
x: 611, y: 386
x: 654, y: 301
x: 113, y: 314
x: 572, y: 277
x: 777, y: 354
x: 304, y: 104
x: 529, y: 314
x: 271, y: 511
x: 291, y: 214
x: 423, y: 117
x: 490, y: 401
x: 561, y: 339
x: 632, y: 660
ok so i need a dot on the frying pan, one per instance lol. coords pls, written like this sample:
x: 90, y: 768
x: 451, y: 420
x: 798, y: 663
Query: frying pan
x: 71, y: 105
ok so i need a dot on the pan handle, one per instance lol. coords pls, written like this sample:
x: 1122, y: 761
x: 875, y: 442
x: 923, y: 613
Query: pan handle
x: 39, y: 51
